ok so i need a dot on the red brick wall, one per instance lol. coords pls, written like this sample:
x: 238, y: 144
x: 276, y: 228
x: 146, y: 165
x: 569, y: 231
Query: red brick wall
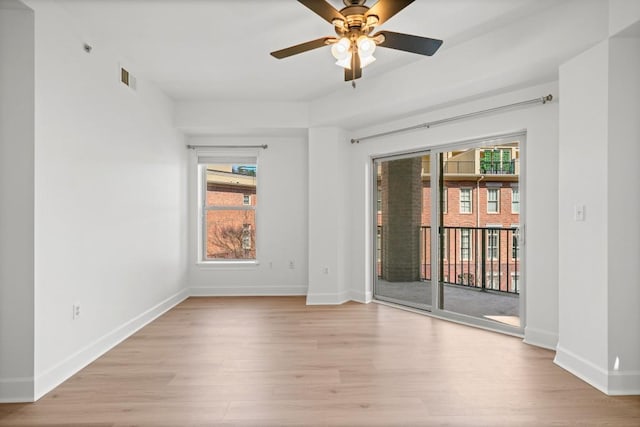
x: 224, y: 227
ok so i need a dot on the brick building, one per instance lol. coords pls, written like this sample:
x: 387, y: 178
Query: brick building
x: 480, y: 213
x: 230, y: 214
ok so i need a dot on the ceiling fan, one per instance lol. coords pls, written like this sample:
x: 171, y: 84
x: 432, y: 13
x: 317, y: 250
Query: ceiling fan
x: 354, y: 45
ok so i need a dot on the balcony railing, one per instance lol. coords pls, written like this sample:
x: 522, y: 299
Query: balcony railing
x: 507, y: 167
x: 485, y: 258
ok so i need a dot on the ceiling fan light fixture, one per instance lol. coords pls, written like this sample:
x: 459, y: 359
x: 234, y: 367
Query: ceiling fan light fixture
x: 345, y: 62
x: 366, y: 46
x: 340, y: 49
x: 366, y: 60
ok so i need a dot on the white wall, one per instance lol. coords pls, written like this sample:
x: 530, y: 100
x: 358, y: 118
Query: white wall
x: 281, y: 224
x: 624, y: 205
x: 110, y: 201
x: 599, y: 146
x: 583, y: 181
x: 622, y: 15
x: 329, y: 258
x: 242, y: 118
x: 16, y: 206
x: 539, y: 201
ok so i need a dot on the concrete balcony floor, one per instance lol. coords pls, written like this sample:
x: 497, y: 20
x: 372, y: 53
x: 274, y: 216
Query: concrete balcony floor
x: 492, y: 305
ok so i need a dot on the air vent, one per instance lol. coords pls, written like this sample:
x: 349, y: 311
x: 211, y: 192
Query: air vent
x: 127, y: 78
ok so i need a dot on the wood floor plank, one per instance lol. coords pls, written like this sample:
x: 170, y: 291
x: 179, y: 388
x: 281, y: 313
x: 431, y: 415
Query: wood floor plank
x: 275, y: 361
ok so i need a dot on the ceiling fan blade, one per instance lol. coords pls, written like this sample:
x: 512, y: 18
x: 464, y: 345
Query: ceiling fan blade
x: 302, y: 47
x: 356, y: 70
x: 409, y: 43
x: 385, y: 9
x: 324, y: 9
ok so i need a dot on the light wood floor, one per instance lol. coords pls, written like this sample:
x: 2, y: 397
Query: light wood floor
x: 274, y: 361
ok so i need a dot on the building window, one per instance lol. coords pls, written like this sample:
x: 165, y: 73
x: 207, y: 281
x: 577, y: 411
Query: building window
x: 465, y: 244
x: 465, y: 200
x: 493, y: 243
x: 228, y: 208
x: 515, y: 200
x: 493, y: 200
x: 515, y: 282
x: 496, y: 161
x: 379, y: 200
x: 445, y: 199
x: 493, y: 280
x: 515, y: 244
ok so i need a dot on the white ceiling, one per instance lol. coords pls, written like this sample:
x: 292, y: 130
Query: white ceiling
x: 219, y: 50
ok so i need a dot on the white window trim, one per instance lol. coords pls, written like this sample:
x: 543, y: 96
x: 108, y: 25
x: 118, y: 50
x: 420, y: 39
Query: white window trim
x: 470, y: 244
x: 497, y: 201
x: 240, y: 156
x: 513, y: 275
x: 498, y: 241
x: 470, y: 200
x: 517, y: 226
x: 513, y: 189
x: 490, y: 277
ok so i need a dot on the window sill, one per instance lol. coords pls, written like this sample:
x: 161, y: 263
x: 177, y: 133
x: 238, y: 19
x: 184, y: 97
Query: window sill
x: 228, y: 265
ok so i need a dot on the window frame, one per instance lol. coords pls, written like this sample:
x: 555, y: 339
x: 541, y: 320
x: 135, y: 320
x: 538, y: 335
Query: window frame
x: 470, y: 201
x: 202, y: 208
x: 496, y: 191
x: 515, y: 243
x: 515, y: 190
x: 469, y: 240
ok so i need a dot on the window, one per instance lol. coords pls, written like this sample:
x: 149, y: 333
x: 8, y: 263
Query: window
x: 228, y: 208
x: 493, y: 243
x: 493, y: 280
x: 465, y: 244
x: 465, y: 200
x: 515, y: 244
x: 496, y: 161
x: 445, y: 199
x: 515, y: 280
x: 379, y: 201
x: 515, y: 200
x: 493, y: 200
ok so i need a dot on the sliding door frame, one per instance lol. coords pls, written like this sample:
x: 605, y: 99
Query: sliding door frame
x: 374, y: 221
x: 436, y: 288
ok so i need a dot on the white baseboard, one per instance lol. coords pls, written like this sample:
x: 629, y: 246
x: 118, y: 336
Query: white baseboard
x: 612, y: 383
x: 15, y: 390
x: 624, y: 383
x: 248, y: 291
x: 51, y: 378
x: 540, y: 338
x: 581, y: 368
x: 328, y: 299
x: 361, y: 296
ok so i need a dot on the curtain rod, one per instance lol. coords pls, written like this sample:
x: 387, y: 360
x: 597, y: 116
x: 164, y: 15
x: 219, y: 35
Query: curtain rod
x: 193, y: 147
x: 428, y: 125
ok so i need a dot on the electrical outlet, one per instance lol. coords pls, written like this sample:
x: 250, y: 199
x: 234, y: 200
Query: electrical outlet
x: 76, y: 311
x: 292, y: 265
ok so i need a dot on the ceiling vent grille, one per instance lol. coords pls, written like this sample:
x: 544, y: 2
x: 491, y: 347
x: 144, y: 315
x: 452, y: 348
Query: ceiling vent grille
x: 127, y: 78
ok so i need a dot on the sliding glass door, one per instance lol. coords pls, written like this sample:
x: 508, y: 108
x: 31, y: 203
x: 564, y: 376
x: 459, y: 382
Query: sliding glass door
x: 403, y: 230
x: 479, y: 223
x: 453, y: 248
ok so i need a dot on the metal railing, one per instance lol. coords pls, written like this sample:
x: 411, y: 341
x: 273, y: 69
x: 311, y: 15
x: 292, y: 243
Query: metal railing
x: 505, y: 167
x: 485, y: 258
